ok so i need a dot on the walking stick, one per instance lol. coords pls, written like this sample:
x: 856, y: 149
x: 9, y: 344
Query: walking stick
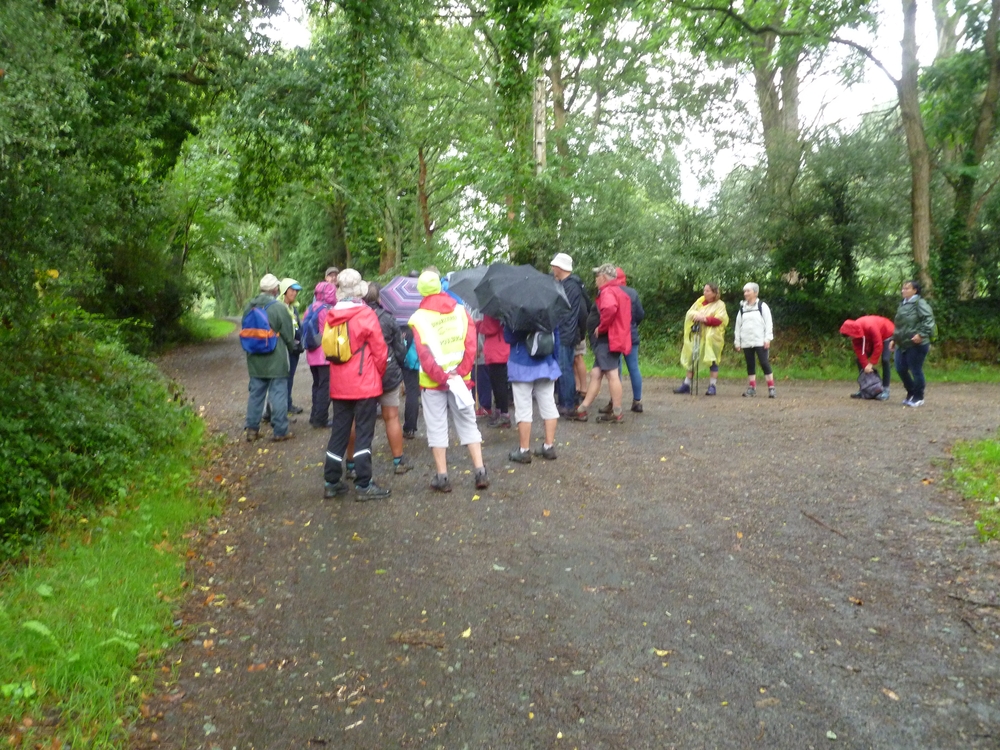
x: 695, y: 356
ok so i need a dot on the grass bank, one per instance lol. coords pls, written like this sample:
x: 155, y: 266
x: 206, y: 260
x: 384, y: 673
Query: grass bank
x: 977, y: 475
x: 86, y: 619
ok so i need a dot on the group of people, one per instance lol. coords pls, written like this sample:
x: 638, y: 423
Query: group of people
x: 370, y: 362
x: 432, y: 359
x: 873, y: 337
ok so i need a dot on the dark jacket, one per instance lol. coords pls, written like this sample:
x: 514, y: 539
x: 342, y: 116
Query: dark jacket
x: 393, y: 374
x: 274, y: 364
x: 573, y: 327
x: 913, y: 317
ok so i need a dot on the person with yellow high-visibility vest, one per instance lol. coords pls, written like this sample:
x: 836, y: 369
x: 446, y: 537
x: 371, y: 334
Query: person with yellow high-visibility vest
x: 445, y: 340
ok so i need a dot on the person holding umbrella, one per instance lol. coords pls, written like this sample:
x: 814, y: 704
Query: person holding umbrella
x: 613, y: 339
x: 445, y: 339
x: 532, y: 375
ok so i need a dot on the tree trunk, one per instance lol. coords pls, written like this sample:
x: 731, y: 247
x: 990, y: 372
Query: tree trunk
x: 916, y: 146
x: 425, y: 214
x: 778, y: 101
x: 559, y: 115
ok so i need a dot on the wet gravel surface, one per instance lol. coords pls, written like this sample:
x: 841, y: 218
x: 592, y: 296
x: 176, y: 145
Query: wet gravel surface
x: 716, y: 572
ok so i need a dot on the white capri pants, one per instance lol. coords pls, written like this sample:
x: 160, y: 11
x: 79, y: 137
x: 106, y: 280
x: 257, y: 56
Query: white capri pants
x: 437, y: 405
x: 544, y: 392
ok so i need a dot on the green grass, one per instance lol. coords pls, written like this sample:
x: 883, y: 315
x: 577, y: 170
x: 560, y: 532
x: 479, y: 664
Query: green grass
x: 203, y: 329
x: 85, y: 621
x: 977, y: 476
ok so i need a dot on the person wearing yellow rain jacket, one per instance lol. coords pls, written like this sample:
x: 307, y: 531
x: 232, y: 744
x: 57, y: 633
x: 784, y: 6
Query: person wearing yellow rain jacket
x: 709, y: 313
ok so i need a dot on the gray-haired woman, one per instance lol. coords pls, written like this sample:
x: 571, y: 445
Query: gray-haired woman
x: 754, y: 333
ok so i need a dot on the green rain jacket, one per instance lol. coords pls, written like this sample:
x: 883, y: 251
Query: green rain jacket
x: 913, y: 317
x: 275, y: 364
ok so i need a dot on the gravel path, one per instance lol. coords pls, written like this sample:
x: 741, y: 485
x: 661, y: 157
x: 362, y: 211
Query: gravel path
x: 723, y: 572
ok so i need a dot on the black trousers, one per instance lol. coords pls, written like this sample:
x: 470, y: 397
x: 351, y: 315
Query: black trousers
x: 498, y: 382
x: 320, y: 395
x: 411, y: 381
x: 361, y: 414
x: 761, y: 353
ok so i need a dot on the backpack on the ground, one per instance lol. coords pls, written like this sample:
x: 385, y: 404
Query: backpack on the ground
x: 337, y: 343
x: 256, y: 334
x: 311, y: 336
x: 869, y: 384
x: 540, y: 343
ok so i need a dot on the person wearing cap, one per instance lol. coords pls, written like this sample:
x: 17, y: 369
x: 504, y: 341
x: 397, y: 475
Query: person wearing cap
x: 355, y: 387
x: 572, y: 329
x: 269, y: 372
x: 871, y: 337
x: 289, y: 290
x: 331, y: 275
x: 445, y: 339
x: 324, y: 297
x: 613, y: 338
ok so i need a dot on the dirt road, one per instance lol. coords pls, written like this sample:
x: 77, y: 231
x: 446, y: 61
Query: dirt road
x: 723, y: 572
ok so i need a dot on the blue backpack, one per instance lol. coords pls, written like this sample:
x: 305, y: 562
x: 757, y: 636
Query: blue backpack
x: 256, y: 334
x: 311, y: 336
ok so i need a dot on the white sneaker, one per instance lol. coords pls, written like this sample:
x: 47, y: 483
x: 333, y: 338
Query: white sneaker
x: 917, y: 402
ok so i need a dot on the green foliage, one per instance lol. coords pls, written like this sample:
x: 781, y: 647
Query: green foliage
x: 81, y: 415
x: 83, y: 622
x: 977, y: 474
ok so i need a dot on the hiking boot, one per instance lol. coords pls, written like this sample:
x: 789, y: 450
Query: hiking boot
x: 578, y: 416
x: 370, y: 492
x: 749, y: 393
x: 408, y: 434
x: 548, y: 454
x: 251, y: 434
x: 856, y: 395
x: 441, y: 483
x: 607, y: 409
x: 683, y: 388
x: 914, y: 402
x: 402, y: 466
x: 612, y: 418
x: 482, y: 480
x: 501, y: 421
x: 519, y: 456
x: 294, y: 409
x: 884, y: 395
x: 637, y: 406
x: 771, y: 393
x: 481, y: 413
x: 710, y: 391
x: 282, y: 438
x: 332, y: 490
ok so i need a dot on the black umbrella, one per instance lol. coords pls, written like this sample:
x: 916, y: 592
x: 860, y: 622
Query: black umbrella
x: 463, y: 284
x: 523, y: 297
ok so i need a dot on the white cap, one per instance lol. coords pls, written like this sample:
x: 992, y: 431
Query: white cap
x: 563, y: 261
x: 269, y: 282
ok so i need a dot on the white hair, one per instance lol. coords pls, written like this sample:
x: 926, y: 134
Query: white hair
x: 752, y: 287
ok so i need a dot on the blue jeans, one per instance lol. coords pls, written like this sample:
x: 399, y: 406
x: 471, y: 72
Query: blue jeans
x: 910, y: 366
x: 634, y: 376
x: 566, y: 385
x: 275, y: 390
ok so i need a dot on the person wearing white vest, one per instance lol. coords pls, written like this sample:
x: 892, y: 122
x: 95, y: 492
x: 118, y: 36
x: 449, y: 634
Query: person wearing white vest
x: 445, y: 339
x: 754, y: 332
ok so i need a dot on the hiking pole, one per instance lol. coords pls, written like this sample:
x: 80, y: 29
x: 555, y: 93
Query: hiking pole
x: 695, y: 356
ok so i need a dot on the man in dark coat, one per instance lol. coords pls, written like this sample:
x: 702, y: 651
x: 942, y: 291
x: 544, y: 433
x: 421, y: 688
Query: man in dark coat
x: 571, y: 329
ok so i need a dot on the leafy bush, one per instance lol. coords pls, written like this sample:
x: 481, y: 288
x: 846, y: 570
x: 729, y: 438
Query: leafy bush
x: 81, y: 414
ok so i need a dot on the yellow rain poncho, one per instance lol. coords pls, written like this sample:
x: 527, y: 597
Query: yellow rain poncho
x: 713, y: 338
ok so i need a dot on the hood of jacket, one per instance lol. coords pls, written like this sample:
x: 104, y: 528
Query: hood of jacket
x: 852, y: 328
x: 621, y: 280
x: 326, y: 293
x: 345, y: 310
x: 439, y: 303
